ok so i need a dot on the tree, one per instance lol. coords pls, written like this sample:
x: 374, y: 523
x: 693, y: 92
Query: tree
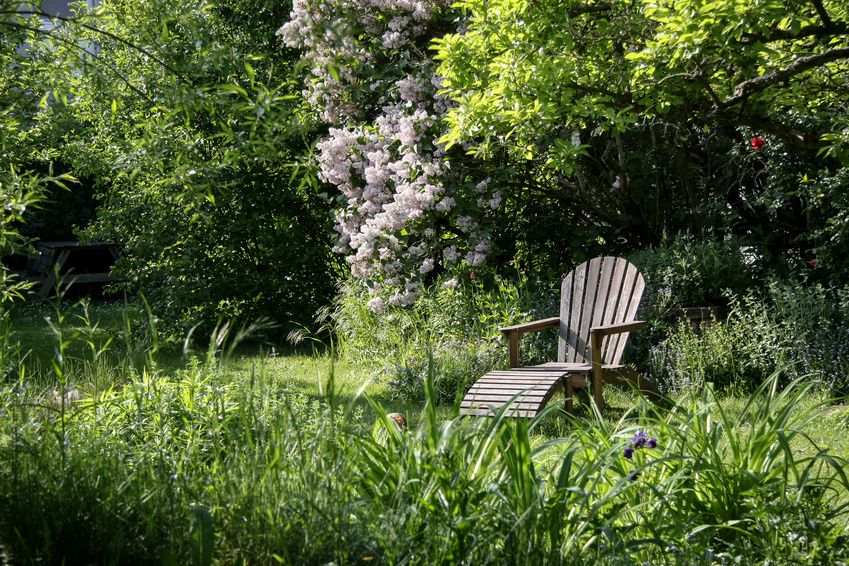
x: 188, y: 117
x: 25, y: 166
x: 658, y: 115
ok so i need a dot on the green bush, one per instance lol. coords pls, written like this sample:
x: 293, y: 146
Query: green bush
x: 800, y: 329
x: 815, y: 324
x: 454, y: 331
x: 190, y: 127
x: 26, y: 165
x: 262, y: 250
x: 688, y: 359
x: 683, y: 271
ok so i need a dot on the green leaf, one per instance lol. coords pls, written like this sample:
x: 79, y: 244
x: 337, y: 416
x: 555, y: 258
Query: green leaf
x: 334, y: 72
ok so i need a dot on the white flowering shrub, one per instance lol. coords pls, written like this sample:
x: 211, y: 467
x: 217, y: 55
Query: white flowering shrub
x: 407, y: 209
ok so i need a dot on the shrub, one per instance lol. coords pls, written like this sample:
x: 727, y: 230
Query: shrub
x: 688, y: 359
x: 190, y: 126
x: 682, y: 272
x: 801, y: 329
x: 686, y: 272
x: 454, y: 329
x: 815, y: 324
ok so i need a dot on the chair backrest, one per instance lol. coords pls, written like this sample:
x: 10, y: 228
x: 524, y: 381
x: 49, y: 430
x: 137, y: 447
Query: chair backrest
x: 605, y: 290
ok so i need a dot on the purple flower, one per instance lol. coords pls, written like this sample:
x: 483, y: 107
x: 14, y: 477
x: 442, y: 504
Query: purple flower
x: 628, y: 453
x: 652, y: 442
x: 639, y: 440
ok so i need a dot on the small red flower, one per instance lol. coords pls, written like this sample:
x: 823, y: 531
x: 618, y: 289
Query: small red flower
x: 758, y: 143
x: 812, y: 262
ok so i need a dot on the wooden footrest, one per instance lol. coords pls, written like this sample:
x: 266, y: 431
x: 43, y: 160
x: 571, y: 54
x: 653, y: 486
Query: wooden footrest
x: 526, y: 389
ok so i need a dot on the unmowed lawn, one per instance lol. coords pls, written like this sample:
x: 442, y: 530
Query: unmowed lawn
x: 125, y: 452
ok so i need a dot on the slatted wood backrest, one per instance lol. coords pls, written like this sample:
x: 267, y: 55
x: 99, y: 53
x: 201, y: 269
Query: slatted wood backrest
x: 605, y: 290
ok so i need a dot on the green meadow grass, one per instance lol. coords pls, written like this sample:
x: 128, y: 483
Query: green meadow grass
x: 115, y: 456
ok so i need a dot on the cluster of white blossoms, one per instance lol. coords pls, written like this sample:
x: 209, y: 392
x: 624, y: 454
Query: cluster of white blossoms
x: 347, y: 41
x: 404, y: 211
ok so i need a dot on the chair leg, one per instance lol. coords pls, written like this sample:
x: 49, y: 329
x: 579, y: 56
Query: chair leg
x: 599, y: 400
x: 570, y: 394
x: 595, y: 345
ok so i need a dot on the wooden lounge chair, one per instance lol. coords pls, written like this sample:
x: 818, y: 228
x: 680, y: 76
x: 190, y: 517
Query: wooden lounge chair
x: 598, y: 303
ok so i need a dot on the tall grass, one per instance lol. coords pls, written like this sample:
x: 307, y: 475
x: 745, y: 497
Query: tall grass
x: 203, y: 465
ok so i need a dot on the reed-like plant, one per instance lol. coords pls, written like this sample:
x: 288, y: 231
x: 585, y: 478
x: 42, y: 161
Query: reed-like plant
x: 207, y: 465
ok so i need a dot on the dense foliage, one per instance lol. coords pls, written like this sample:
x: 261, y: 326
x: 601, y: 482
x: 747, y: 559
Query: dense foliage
x: 594, y: 127
x: 799, y: 331
x: 25, y: 163
x: 407, y: 209
x: 188, y: 120
x: 450, y: 332
x: 706, y: 140
x: 712, y: 117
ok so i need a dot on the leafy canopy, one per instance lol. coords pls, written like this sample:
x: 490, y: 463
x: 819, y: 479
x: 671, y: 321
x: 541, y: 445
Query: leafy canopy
x: 522, y: 69
x: 712, y: 116
x: 187, y: 118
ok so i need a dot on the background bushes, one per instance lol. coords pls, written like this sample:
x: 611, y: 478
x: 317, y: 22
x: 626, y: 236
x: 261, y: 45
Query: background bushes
x: 685, y: 271
x: 795, y: 328
x: 187, y: 127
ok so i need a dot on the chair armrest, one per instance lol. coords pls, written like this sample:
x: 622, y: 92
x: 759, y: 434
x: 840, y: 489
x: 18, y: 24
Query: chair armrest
x: 512, y: 334
x: 532, y: 326
x: 609, y: 329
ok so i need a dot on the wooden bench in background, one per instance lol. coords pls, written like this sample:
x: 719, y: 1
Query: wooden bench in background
x: 72, y: 261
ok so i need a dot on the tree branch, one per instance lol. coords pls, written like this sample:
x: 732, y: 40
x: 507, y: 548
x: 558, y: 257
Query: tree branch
x: 101, y: 61
x: 706, y: 84
x: 821, y: 11
x: 825, y: 30
x: 109, y: 34
x: 758, y: 84
x: 79, y: 47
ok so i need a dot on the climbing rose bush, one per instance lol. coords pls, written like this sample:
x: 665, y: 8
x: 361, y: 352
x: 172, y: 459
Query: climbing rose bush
x: 406, y: 208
